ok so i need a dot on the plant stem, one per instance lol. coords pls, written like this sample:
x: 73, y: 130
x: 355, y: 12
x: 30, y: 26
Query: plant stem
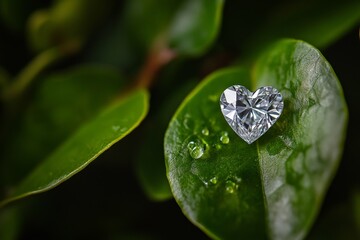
x: 30, y: 72
x: 159, y: 55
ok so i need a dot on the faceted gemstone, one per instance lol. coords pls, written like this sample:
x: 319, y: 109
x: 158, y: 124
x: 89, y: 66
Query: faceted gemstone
x: 249, y: 114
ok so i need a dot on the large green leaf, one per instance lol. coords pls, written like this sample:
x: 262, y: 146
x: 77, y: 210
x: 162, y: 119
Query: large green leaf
x: 189, y: 26
x: 85, y: 145
x: 61, y: 103
x: 195, y: 26
x: 274, y: 187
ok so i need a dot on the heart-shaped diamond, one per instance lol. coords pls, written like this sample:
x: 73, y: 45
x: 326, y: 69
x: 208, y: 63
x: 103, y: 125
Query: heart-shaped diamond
x: 249, y: 114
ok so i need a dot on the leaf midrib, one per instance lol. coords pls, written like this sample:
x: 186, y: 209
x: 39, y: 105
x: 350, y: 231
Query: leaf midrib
x: 265, y: 202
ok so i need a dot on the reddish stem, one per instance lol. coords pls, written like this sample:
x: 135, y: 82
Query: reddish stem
x: 159, y: 56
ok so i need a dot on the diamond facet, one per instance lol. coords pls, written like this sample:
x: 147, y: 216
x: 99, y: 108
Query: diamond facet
x: 249, y: 114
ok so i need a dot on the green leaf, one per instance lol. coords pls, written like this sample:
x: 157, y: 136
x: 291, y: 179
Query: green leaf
x: 67, y: 23
x: 195, y: 26
x: 61, y: 103
x: 189, y: 26
x: 319, y: 23
x: 274, y: 187
x: 85, y: 145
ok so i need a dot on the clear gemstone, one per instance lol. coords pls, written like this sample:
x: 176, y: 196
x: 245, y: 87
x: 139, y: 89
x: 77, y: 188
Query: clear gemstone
x: 249, y: 114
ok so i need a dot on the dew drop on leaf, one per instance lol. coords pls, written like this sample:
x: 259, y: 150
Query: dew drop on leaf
x: 205, y: 132
x: 230, y: 186
x: 214, y: 180
x: 217, y: 146
x: 224, y: 139
x: 196, y: 150
x: 115, y: 128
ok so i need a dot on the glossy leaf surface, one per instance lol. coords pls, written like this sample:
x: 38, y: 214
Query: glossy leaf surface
x: 62, y: 103
x: 188, y: 26
x: 274, y: 187
x: 85, y: 145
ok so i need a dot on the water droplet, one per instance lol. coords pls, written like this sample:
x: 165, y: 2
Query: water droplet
x: 115, y: 128
x: 224, y: 139
x: 205, y: 132
x: 217, y: 146
x: 214, y: 180
x: 230, y: 186
x: 196, y: 150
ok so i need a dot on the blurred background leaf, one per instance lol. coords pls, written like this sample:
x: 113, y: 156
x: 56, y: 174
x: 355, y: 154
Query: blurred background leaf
x: 85, y: 145
x: 62, y: 102
x: 188, y: 26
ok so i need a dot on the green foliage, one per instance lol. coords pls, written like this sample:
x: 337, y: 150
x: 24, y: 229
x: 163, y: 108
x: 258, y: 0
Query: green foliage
x: 76, y: 77
x: 87, y: 143
x: 177, y: 23
x: 62, y: 103
x: 230, y: 180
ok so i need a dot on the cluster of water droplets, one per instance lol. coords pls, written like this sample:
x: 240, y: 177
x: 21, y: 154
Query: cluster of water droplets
x: 205, y: 132
x: 203, y: 142
x: 231, y: 184
x: 198, y: 146
x: 224, y: 138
